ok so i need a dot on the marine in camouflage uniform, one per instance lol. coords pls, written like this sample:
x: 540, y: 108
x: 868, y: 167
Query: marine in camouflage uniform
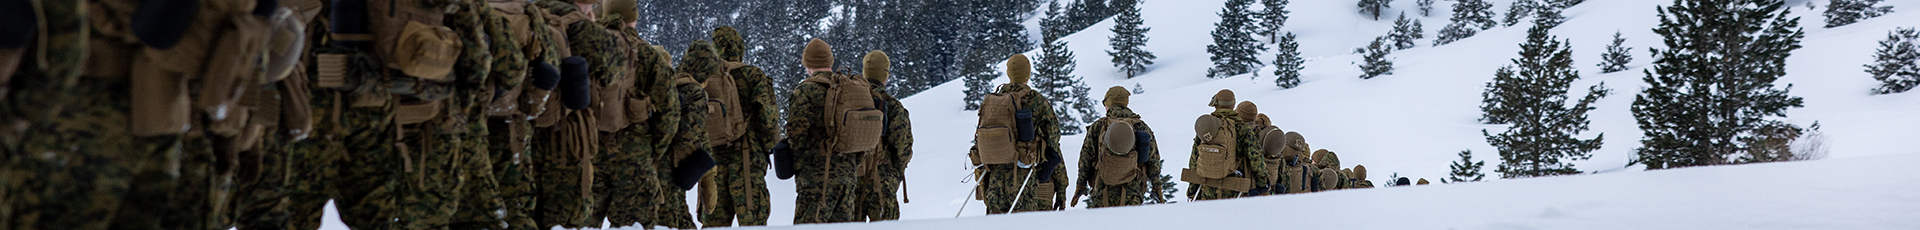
x: 510, y: 130
x: 1007, y: 184
x: 1102, y: 195
x: 822, y: 190
x: 1247, y: 148
x: 482, y: 32
x: 741, y: 169
x: 565, y: 151
x: 625, y: 177
x: 67, y: 146
x: 306, y: 173
x: 700, y: 62
x: 884, y: 168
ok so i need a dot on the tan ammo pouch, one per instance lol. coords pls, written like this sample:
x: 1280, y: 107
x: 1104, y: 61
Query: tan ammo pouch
x: 158, y: 104
x: 995, y: 134
x: 639, y: 109
x: 610, y: 109
x: 1294, y: 177
x: 1216, y: 148
x: 1043, y: 192
x: 296, y: 114
x: 1117, y: 169
x: 1273, y: 170
x: 409, y: 114
x: 554, y: 113
x: 1240, y: 184
x: 725, y: 121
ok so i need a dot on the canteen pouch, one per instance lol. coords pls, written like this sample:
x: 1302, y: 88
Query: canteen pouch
x: 1024, y: 119
x: 1142, y: 142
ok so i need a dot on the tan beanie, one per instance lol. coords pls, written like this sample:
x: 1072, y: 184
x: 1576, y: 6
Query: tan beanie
x: 1222, y: 99
x: 1263, y: 120
x: 1247, y: 111
x: 875, y: 66
x: 818, y: 55
x: 1423, y: 181
x: 1018, y: 69
x: 1116, y: 96
x: 627, y: 10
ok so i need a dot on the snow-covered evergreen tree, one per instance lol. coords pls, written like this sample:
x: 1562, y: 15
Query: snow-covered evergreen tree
x: 1548, y: 15
x: 1843, y: 12
x: 1272, y: 17
x: 1897, y: 63
x: 1405, y: 31
x: 1454, y: 32
x: 1426, y: 7
x: 978, y: 72
x: 1376, y: 62
x: 1521, y: 9
x: 1139, y: 89
x: 1465, y: 170
x: 1478, y: 13
x: 1053, y: 76
x: 1705, y: 98
x: 1373, y: 7
x: 1540, y: 139
x: 1129, y: 42
x: 1233, y: 47
x: 1287, y: 63
x: 1617, y: 56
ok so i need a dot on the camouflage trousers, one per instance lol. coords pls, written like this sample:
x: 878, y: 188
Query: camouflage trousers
x: 737, y: 187
x: 513, y: 170
x: 1007, y: 184
x: 205, y: 187
x: 259, y: 195
x: 366, y: 169
x: 432, y: 190
x: 308, y: 174
x: 71, y: 169
x: 670, y: 202
x: 479, y: 194
x: 877, y: 201
x: 1129, y: 194
x: 826, y: 185
x: 625, y: 178
x: 561, y: 202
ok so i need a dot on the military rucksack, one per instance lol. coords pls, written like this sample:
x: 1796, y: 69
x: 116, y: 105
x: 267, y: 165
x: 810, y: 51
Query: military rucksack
x: 1001, y: 125
x: 726, y: 120
x: 1217, y: 160
x: 408, y: 35
x: 1122, y: 150
x: 1272, y: 142
x: 855, y: 124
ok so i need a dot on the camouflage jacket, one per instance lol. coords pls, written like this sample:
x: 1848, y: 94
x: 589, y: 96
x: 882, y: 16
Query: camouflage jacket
x: 653, y: 80
x: 1090, y: 150
x: 763, y: 116
x: 1253, y: 162
x: 690, y: 84
x: 1045, y: 124
x: 899, y: 134
x: 806, y: 115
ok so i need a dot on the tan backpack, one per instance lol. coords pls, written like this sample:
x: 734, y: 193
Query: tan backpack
x: 1118, y: 162
x: 1216, y: 161
x: 726, y: 121
x: 856, y: 124
x: 995, y: 136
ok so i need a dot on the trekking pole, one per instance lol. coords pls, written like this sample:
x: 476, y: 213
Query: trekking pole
x: 970, y: 192
x: 1017, y: 196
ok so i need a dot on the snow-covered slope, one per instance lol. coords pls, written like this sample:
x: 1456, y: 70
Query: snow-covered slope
x: 1413, y: 122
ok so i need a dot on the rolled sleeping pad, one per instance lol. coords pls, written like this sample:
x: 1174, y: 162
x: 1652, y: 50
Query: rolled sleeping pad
x: 161, y: 23
x: 1024, y: 119
x: 575, y: 90
x: 783, y: 160
x: 17, y: 23
x: 545, y: 76
x: 1143, y: 142
x: 348, y: 17
x: 688, y: 172
x: 1047, y: 167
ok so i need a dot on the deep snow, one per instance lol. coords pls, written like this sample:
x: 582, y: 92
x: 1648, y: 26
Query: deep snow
x: 1413, y: 122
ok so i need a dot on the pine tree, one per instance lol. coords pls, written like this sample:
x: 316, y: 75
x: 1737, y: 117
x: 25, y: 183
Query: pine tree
x: 1233, y: 47
x: 1168, y: 190
x: 1454, y: 32
x: 1520, y: 10
x: 1129, y: 42
x: 1287, y: 63
x: 978, y: 73
x: 1001, y: 33
x: 1617, y: 56
x: 1426, y: 7
x: 1139, y: 89
x: 1375, y: 62
x: 1053, y: 77
x: 1374, y: 7
x: 1843, y: 12
x: 1897, y: 63
x: 1548, y: 15
x: 1707, y: 96
x: 1405, y: 32
x: 1466, y: 170
x: 1273, y: 16
x: 1478, y: 13
x: 1540, y: 140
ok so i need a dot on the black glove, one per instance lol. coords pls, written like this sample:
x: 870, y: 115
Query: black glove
x: 17, y: 23
x: 575, y: 90
x: 688, y: 171
x: 161, y: 23
x: 1257, y: 191
x: 1047, y: 167
x: 264, y: 8
x: 545, y: 76
x: 783, y: 160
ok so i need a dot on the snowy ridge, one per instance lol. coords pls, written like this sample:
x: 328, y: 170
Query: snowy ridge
x: 1414, y: 121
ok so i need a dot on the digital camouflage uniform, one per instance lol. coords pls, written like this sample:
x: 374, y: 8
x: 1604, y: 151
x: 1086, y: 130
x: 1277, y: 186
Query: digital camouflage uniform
x: 821, y: 189
x: 741, y: 166
x: 66, y: 168
x: 1247, y: 148
x: 1003, y: 181
x: 306, y: 171
x: 513, y: 164
x: 482, y: 32
x: 653, y: 75
x: 670, y: 206
x: 623, y: 183
x: 876, y: 190
x: 1101, y: 195
x: 563, y: 165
